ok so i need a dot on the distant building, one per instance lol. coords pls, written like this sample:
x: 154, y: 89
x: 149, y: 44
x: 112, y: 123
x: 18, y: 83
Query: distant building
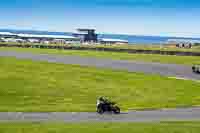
x: 33, y: 40
x: 58, y: 41
x: 9, y: 40
x: 49, y: 38
x: 87, y: 35
x: 83, y: 36
x: 182, y: 43
x: 112, y: 41
x: 7, y: 35
x: 15, y: 40
x: 10, y: 37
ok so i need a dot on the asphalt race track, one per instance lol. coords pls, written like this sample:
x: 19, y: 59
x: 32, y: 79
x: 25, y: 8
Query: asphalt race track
x: 170, y: 70
x: 192, y: 114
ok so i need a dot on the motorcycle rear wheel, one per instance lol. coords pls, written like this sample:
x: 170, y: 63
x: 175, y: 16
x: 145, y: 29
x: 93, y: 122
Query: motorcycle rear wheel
x: 100, y: 111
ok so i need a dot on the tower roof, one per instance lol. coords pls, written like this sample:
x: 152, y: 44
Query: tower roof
x: 84, y: 30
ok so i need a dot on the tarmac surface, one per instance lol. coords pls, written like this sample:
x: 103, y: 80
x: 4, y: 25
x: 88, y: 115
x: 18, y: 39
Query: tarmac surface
x: 191, y: 114
x: 169, y: 70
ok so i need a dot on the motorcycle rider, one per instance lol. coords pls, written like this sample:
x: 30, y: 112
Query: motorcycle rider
x: 102, y: 100
x: 104, y: 104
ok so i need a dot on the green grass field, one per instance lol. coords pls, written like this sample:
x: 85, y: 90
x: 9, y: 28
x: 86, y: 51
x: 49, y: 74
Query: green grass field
x: 39, y: 86
x: 186, y: 60
x: 178, y: 127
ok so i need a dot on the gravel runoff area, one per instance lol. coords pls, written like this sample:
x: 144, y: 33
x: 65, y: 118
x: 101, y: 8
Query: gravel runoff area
x: 190, y: 114
x: 170, y: 70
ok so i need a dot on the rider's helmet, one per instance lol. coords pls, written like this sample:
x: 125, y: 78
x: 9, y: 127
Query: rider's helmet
x: 101, y: 98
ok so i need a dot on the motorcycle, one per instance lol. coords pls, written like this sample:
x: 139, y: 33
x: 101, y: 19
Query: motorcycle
x: 196, y: 69
x: 108, y: 107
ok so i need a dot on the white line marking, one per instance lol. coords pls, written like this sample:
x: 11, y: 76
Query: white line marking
x: 183, y: 79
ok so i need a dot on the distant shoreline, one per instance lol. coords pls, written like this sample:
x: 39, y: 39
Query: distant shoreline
x: 132, y: 39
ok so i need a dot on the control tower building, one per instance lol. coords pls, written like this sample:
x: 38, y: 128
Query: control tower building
x: 87, y: 35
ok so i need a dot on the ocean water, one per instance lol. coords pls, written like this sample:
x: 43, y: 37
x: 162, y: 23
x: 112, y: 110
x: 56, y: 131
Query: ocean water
x: 145, y: 39
x: 132, y: 39
x: 137, y: 39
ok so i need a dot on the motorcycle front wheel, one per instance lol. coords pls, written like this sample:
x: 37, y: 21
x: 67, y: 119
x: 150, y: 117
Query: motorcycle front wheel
x: 116, y: 110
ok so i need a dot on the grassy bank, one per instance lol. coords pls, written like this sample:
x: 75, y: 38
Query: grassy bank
x: 179, y: 127
x: 147, y: 47
x: 129, y: 46
x: 39, y: 86
x: 186, y: 60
